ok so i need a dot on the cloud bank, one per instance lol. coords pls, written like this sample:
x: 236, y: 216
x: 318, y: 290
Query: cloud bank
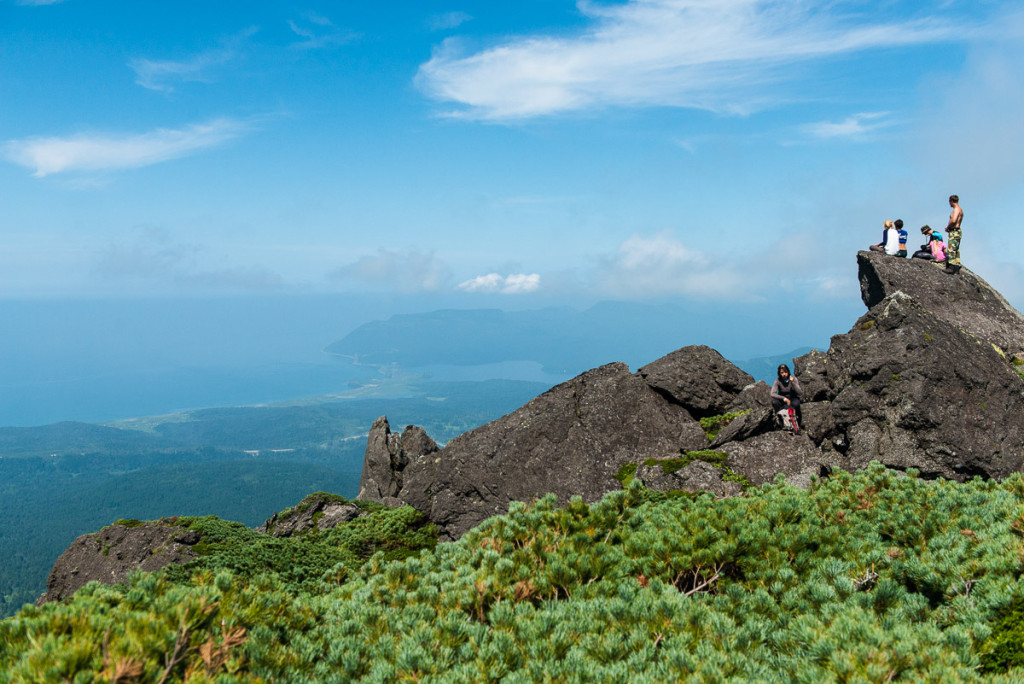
x: 721, y: 55
x: 514, y: 283
x: 90, y: 153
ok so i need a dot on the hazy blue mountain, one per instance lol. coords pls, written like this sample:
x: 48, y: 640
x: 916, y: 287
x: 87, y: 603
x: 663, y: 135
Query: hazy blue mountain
x: 565, y: 341
x: 766, y: 367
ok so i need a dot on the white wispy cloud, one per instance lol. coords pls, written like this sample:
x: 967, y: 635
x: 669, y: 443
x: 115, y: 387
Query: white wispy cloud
x: 854, y: 126
x: 412, y: 270
x: 448, y: 20
x: 109, y: 152
x: 317, y: 31
x: 514, y: 283
x: 158, y: 74
x: 163, y: 74
x: 721, y: 55
x: 968, y: 134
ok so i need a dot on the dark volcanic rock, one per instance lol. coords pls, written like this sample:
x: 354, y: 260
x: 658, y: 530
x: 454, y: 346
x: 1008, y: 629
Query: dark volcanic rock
x: 697, y: 476
x: 761, y: 458
x: 387, y: 458
x: 111, y: 554
x: 758, y: 421
x: 810, y: 370
x: 570, y: 440
x: 911, y: 390
x: 963, y: 301
x: 697, y: 378
x: 314, y: 512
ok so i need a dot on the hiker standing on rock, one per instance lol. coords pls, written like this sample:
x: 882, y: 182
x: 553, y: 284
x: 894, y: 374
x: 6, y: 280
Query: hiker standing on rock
x: 956, y: 217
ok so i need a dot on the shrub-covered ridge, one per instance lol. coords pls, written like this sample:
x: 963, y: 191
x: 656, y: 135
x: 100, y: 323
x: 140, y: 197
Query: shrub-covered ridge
x: 867, y: 577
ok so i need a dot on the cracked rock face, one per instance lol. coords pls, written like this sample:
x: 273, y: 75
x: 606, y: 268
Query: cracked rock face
x: 571, y: 440
x: 908, y: 389
x: 697, y: 378
x: 963, y: 301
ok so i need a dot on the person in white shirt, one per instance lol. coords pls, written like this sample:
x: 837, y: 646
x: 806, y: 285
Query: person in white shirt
x: 890, y: 243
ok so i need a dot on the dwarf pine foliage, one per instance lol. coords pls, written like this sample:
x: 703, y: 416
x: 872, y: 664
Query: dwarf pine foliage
x: 875, y: 576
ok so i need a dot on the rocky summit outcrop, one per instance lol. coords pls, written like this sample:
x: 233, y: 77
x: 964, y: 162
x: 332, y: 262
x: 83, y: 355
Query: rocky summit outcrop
x: 573, y: 439
x: 114, y: 552
x: 963, y: 301
x: 916, y: 384
x: 923, y: 380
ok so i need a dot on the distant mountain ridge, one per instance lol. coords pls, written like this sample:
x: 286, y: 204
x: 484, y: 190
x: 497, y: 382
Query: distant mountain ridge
x: 563, y: 340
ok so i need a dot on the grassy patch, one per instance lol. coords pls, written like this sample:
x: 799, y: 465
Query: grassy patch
x: 712, y: 425
x: 626, y: 473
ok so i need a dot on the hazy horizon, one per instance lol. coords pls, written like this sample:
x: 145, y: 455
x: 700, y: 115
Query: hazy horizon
x: 104, y: 360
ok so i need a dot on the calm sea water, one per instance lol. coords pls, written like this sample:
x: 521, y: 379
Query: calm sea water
x: 105, y: 360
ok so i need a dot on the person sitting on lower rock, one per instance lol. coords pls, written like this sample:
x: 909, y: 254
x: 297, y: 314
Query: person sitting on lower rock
x: 786, y: 395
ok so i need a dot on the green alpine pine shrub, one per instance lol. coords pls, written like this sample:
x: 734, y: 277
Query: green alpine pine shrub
x: 866, y: 577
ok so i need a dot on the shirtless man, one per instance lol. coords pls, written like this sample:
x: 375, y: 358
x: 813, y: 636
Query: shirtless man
x: 956, y: 217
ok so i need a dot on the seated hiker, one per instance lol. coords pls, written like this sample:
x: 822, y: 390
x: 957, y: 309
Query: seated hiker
x: 786, y: 395
x: 898, y: 225
x: 890, y: 243
x: 934, y: 250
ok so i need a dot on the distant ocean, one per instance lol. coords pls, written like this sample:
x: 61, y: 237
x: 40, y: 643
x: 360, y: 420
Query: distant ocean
x: 105, y: 360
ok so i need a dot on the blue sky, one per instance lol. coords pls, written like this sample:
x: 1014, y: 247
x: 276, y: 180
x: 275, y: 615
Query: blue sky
x: 500, y: 153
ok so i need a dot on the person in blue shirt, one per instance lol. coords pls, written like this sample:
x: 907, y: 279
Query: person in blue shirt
x: 898, y: 225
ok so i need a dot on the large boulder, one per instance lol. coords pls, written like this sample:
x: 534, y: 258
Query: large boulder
x: 696, y: 476
x: 908, y: 388
x: 761, y: 458
x: 114, y: 552
x: 963, y: 301
x: 317, y: 511
x: 395, y: 465
x: 698, y: 378
x: 571, y: 440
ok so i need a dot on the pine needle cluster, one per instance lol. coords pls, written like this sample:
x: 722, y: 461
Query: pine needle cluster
x: 867, y: 577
